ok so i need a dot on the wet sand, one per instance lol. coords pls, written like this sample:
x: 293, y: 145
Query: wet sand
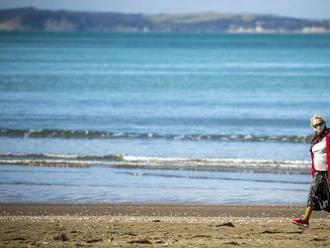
x: 158, y: 225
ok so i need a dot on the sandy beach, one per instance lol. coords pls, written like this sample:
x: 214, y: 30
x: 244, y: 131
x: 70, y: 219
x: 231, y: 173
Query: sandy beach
x: 158, y: 225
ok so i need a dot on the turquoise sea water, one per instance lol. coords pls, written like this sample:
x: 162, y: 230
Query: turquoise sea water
x: 243, y: 96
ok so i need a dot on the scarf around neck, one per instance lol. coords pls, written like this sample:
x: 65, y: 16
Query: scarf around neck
x: 319, y: 136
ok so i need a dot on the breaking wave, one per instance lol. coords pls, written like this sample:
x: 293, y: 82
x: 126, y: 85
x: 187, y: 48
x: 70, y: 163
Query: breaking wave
x: 176, y: 163
x: 91, y: 134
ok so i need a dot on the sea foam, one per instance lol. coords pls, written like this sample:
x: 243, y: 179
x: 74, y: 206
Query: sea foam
x: 146, y: 162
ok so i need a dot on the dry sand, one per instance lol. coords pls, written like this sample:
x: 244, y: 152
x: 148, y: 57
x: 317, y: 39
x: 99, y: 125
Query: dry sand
x: 162, y: 225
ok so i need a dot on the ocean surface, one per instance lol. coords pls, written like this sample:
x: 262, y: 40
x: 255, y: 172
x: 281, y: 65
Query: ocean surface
x: 132, y: 110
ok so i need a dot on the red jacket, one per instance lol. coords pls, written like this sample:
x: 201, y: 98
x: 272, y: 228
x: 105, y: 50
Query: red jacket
x: 327, y: 142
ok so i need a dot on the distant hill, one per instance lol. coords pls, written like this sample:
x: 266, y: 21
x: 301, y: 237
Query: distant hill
x: 31, y: 19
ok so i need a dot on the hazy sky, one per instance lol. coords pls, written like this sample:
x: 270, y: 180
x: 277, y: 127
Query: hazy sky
x: 316, y: 9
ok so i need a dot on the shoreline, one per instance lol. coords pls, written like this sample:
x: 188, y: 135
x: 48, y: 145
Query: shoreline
x: 151, y: 209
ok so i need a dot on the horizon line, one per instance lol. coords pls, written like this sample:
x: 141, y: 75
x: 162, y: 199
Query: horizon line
x: 168, y: 14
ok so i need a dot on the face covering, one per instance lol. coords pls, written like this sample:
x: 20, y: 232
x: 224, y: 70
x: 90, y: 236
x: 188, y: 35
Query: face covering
x: 319, y: 129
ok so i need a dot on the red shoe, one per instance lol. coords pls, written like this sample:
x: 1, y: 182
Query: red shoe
x: 300, y: 222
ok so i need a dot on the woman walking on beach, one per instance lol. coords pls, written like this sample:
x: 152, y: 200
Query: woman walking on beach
x: 319, y: 195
